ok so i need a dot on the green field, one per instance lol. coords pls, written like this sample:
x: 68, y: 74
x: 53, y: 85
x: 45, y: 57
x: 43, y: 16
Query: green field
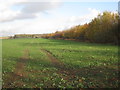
x: 42, y: 63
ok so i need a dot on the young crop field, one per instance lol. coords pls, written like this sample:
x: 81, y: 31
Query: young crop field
x: 49, y: 63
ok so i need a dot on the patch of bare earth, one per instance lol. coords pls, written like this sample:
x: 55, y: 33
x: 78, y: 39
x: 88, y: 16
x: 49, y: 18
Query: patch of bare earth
x: 62, y: 69
x: 14, y: 79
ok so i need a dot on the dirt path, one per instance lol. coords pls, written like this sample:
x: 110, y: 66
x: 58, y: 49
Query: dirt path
x: 21, y: 64
x: 55, y: 61
x: 14, y: 79
x: 62, y: 69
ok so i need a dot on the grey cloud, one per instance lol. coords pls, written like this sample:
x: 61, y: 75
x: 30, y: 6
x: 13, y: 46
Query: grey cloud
x: 35, y: 7
x: 19, y: 16
x: 25, y: 16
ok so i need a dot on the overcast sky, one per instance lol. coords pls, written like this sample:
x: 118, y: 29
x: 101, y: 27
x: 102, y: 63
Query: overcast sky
x: 23, y: 17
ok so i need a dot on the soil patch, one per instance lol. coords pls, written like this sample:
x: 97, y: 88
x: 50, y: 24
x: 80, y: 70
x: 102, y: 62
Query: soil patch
x: 62, y: 69
x: 14, y: 79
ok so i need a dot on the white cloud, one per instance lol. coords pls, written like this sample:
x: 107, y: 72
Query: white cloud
x: 40, y: 24
x: 6, y: 14
x: 27, y: 10
x: 45, y: 25
x: 92, y: 13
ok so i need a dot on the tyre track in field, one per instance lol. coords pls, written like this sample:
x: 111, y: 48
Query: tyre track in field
x: 62, y: 68
x: 14, y: 79
x: 70, y: 74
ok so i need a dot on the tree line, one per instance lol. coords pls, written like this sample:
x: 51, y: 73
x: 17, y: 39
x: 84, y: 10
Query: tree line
x: 102, y: 29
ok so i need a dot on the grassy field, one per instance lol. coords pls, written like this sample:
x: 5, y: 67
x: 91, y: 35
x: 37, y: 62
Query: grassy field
x: 30, y: 63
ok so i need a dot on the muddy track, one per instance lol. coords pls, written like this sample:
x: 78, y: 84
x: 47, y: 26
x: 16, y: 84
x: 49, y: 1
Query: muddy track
x: 55, y: 61
x: 14, y: 79
x: 62, y: 68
